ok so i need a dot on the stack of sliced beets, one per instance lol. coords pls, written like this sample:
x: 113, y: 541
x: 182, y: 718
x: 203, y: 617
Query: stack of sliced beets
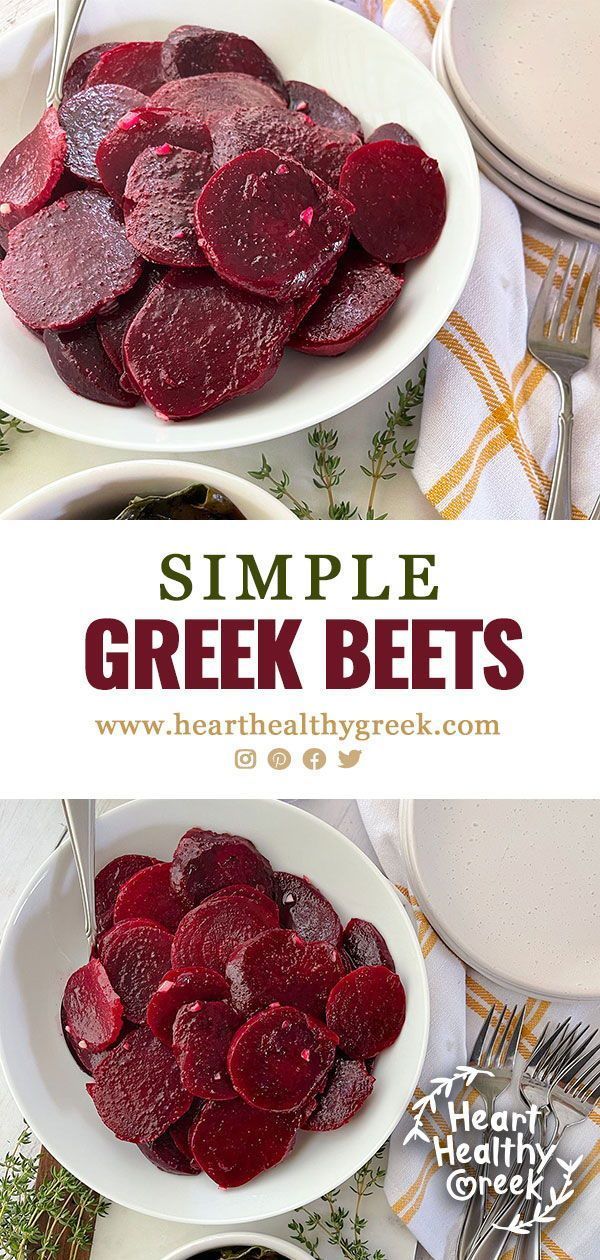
x: 186, y: 215
x: 225, y: 1008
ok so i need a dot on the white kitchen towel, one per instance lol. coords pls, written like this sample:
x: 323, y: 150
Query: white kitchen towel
x: 460, y: 1000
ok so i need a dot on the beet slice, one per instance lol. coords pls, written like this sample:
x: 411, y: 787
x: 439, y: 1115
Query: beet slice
x: 214, y: 97
x: 233, y: 1143
x: 305, y: 909
x: 209, y: 934
x: 110, y: 879
x: 137, y: 1091
x: 279, y: 1058
x: 361, y: 292
x: 93, y: 1011
x: 347, y: 1089
x: 149, y: 894
x: 139, y: 130
x: 305, y: 98
x: 77, y: 74
x: 136, y: 65
x: 366, y: 1010
x: 278, y: 966
x: 205, y: 862
x: 68, y: 262
x: 211, y: 344
x: 392, y: 131
x: 272, y: 227
x: 245, y: 890
x: 192, y: 50
x: 202, y: 1035
x: 400, y: 199
x: 113, y: 327
x: 77, y: 355
x: 136, y: 955
x: 162, y: 188
x: 88, y: 1061
x: 87, y: 117
x: 286, y: 133
x: 164, y: 1153
x: 177, y: 988
x: 30, y: 172
x: 181, y: 1131
x: 365, y: 946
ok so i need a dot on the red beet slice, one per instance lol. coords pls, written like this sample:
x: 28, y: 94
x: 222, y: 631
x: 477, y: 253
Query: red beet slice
x: 77, y: 74
x: 77, y: 355
x: 400, y: 199
x: 211, y: 343
x: 392, y: 131
x: 272, y: 227
x: 93, y: 1011
x: 177, y: 988
x: 286, y: 133
x: 136, y: 955
x: 365, y: 946
x: 233, y: 1143
x: 278, y: 1059
x: 110, y: 879
x: 366, y: 1010
x: 280, y: 967
x: 149, y: 894
x: 305, y: 910
x: 246, y: 890
x: 181, y: 1131
x: 160, y: 194
x: 135, y: 65
x: 361, y: 292
x: 31, y: 171
x: 322, y: 108
x: 137, y: 1091
x: 165, y: 1154
x: 209, y: 934
x: 202, y: 1035
x: 205, y: 862
x: 214, y: 97
x: 88, y: 117
x: 113, y: 327
x: 68, y: 262
x: 347, y: 1089
x: 139, y: 130
x: 89, y: 1060
x: 194, y: 50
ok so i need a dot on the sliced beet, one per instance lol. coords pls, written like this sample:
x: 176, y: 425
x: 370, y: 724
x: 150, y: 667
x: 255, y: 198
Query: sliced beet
x: 214, y: 97
x: 205, y: 862
x: 93, y: 1011
x: 139, y: 130
x: 245, y: 890
x: 137, y: 1091
x: 68, y: 262
x: 366, y: 1010
x: 361, y: 292
x: 392, y: 131
x: 202, y: 1035
x: 209, y: 934
x: 286, y: 133
x: 31, y: 171
x: 365, y: 945
x: 177, y: 988
x: 305, y: 910
x: 113, y: 327
x: 136, y: 64
x: 278, y: 966
x: 87, y: 117
x: 136, y: 954
x: 193, y: 50
x: 79, y: 358
x: 162, y: 188
x: 233, y: 1143
x: 77, y: 74
x: 272, y: 227
x: 181, y: 1131
x: 347, y: 1089
x: 149, y: 894
x: 166, y: 1155
x: 399, y: 196
x: 211, y: 343
x: 279, y: 1058
x: 89, y: 1060
x: 322, y: 108
x: 110, y: 879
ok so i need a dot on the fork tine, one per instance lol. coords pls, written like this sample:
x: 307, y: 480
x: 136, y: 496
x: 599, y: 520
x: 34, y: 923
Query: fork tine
x: 593, y: 1093
x: 538, y: 315
x: 489, y: 1062
x: 572, y: 1070
x: 583, y: 1077
x: 583, y: 335
x: 574, y: 313
x: 499, y: 1057
x: 553, y: 1046
x: 515, y: 1040
x: 570, y: 1054
x: 481, y: 1036
x: 556, y: 316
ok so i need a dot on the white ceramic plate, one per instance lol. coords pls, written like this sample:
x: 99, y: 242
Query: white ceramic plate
x: 44, y: 942
x: 511, y: 887
x: 281, y: 1247
x: 371, y: 72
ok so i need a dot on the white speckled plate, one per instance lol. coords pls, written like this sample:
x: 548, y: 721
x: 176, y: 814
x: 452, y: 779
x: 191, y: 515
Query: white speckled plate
x: 512, y: 887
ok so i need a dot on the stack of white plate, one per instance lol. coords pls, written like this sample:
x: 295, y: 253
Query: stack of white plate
x: 525, y: 78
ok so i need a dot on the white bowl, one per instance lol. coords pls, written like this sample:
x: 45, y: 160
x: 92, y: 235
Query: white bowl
x: 278, y: 1245
x: 97, y: 493
x: 368, y: 70
x: 44, y: 943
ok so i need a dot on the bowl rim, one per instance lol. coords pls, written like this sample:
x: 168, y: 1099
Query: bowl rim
x: 280, y: 1246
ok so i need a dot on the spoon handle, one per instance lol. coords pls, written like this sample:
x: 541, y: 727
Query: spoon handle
x: 66, y: 20
x: 81, y: 822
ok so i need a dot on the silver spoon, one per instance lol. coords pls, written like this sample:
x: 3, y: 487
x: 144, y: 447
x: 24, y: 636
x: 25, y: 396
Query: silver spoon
x: 66, y: 20
x: 81, y: 823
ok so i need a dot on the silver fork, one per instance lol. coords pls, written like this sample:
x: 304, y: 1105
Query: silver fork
x: 560, y: 337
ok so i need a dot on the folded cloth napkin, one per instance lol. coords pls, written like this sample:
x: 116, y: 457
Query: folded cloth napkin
x: 489, y: 420
x: 460, y: 999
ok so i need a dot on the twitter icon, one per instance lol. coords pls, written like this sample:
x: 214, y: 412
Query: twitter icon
x: 348, y: 760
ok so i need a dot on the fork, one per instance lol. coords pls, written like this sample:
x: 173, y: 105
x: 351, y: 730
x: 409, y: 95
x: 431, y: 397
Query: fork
x: 560, y: 337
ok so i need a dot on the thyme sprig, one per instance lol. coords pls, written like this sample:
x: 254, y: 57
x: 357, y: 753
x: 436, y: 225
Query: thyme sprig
x: 280, y: 489
x: 389, y: 450
x: 335, y: 1225
x: 40, y: 1218
x: 10, y: 424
